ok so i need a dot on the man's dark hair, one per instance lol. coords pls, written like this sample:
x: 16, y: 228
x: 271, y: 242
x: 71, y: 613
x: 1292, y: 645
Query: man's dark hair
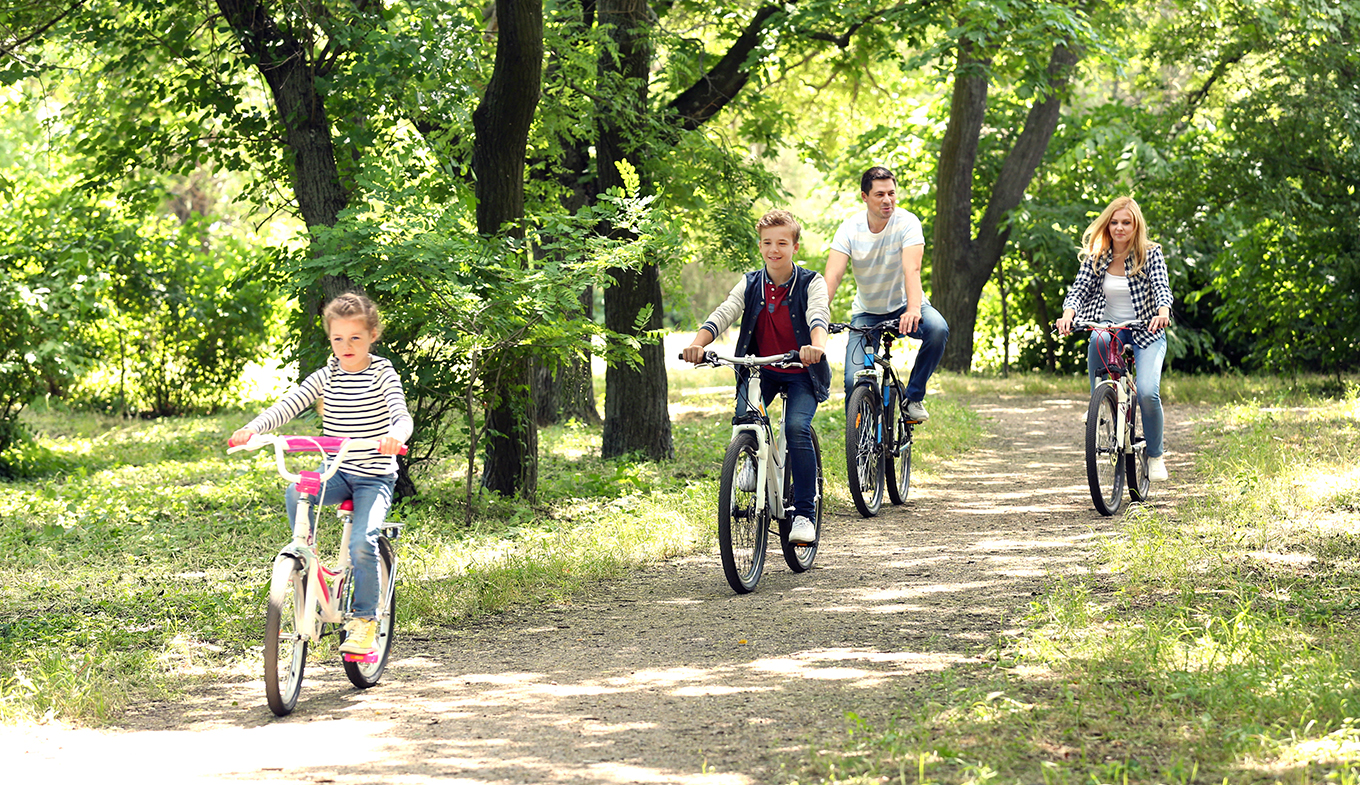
x: 866, y: 183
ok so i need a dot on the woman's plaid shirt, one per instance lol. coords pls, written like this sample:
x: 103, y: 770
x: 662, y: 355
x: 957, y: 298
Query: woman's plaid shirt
x: 1150, y: 290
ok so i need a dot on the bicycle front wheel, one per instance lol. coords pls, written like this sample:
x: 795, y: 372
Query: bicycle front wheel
x: 798, y: 555
x: 741, y: 526
x: 365, y: 674
x: 864, y: 449
x: 897, y: 455
x: 1104, y: 462
x: 285, y: 651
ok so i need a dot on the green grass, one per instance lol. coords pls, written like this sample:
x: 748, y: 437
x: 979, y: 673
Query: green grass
x: 137, y: 553
x: 1215, y: 644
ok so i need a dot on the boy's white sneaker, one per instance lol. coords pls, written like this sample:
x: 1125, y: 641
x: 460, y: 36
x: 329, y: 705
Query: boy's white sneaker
x: 916, y: 411
x: 1157, y: 469
x: 802, y: 531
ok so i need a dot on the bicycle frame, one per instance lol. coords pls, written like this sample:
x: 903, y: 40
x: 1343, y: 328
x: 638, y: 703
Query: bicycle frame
x: 324, y: 596
x: 876, y: 366
x: 1120, y: 374
x: 769, y: 462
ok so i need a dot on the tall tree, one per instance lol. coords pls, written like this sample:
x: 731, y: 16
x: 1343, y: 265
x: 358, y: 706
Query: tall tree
x: 963, y: 262
x: 501, y: 124
x: 636, y: 409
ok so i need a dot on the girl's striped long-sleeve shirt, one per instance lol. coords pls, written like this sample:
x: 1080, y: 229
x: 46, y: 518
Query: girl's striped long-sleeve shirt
x: 367, y: 404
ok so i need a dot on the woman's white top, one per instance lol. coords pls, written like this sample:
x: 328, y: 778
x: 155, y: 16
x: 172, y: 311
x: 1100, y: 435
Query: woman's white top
x: 1118, y: 301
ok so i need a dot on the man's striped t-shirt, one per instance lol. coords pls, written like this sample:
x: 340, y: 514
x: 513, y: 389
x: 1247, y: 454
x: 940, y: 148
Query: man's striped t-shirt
x: 880, y: 284
x: 367, y: 404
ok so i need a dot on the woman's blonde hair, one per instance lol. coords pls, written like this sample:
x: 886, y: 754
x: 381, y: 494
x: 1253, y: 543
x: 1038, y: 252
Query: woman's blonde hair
x: 353, y: 306
x: 1096, y: 240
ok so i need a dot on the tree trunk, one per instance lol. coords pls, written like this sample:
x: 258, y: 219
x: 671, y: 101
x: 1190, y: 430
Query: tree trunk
x: 501, y: 125
x: 636, y: 411
x: 963, y: 264
x: 636, y: 400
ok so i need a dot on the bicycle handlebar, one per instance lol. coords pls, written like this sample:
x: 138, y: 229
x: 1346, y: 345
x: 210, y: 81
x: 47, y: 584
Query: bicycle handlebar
x: 788, y: 359
x: 1109, y: 325
x: 890, y: 324
x: 333, y: 445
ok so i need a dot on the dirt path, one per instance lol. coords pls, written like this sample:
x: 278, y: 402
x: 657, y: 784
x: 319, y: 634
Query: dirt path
x: 665, y: 677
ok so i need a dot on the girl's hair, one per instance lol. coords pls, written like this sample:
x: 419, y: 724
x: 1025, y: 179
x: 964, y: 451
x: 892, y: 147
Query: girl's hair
x: 1096, y: 240
x: 354, y: 306
x: 779, y: 218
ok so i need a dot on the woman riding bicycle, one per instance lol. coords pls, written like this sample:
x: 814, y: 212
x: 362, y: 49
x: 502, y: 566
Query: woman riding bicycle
x: 783, y: 307
x: 1122, y: 277
x: 363, y: 400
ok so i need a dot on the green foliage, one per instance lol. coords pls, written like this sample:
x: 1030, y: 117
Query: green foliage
x: 459, y: 307
x: 183, y: 320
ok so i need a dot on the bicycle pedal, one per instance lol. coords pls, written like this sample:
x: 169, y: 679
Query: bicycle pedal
x: 367, y: 659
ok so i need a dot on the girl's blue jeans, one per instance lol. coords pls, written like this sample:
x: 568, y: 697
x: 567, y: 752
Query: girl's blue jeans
x: 1148, y: 362
x: 799, y: 407
x: 372, y: 499
x: 933, y: 332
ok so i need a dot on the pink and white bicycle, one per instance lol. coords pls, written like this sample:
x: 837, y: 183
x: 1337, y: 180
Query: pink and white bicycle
x: 309, y: 600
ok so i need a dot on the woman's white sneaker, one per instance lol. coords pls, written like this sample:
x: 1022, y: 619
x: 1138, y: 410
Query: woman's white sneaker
x: 1157, y: 468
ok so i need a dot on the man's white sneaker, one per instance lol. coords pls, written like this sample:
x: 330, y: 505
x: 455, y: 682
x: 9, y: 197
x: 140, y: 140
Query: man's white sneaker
x: 1157, y: 468
x: 802, y: 531
x: 916, y: 411
x: 746, y: 476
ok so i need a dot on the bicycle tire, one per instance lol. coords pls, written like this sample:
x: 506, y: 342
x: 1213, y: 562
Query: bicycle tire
x: 366, y: 674
x: 864, y: 449
x: 800, y: 556
x: 285, y: 653
x: 1136, y: 462
x: 742, y: 529
x: 897, y: 454
x: 1104, y: 463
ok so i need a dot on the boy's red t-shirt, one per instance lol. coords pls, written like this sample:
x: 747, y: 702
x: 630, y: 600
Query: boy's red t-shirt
x: 774, y: 325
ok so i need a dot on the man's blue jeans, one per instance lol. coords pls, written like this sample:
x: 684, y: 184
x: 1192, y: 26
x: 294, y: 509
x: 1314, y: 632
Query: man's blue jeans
x: 372, y: 499
x: 933, y: 332
x: 799, y: 408
x: 1148, y: 362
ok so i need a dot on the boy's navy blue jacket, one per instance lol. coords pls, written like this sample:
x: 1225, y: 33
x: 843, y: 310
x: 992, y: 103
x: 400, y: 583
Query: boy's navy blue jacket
x: 809, y: 307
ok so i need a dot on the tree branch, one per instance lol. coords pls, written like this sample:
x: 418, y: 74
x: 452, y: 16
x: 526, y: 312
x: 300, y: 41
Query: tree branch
x: 8, y: 49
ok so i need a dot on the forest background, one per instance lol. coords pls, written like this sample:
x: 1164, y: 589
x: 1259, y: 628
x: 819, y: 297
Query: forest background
x: 518, y: 185
x: 531, y: 189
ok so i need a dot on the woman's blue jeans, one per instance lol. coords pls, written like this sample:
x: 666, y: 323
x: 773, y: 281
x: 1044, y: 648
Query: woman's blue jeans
x: 1148, y: 362
x: 933, y: 332
x: 799, y: 408
x: 372, y: 499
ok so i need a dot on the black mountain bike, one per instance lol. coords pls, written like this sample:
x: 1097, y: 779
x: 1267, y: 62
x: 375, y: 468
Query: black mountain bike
x: 878, y: 431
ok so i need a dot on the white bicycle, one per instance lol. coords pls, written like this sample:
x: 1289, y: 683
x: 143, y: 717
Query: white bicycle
x: 746, y: 508
x: 304, y: 594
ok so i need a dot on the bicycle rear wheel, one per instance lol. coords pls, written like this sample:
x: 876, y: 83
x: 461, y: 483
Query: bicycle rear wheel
x: 742, y: 528
x: 864, y: 449
x: 285, y: 651
x: 365, y: 674
x: 897, y: 455
x: 1136, y: 462
x: 797, y: 555
x: 1104, y: 462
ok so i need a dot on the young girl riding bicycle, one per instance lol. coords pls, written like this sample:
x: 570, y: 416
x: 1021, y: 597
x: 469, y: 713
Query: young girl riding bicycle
x: 363, y: 399
x: 782, y: 307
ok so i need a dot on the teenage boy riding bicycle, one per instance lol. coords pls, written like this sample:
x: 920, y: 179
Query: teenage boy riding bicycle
x: 783, y: 307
